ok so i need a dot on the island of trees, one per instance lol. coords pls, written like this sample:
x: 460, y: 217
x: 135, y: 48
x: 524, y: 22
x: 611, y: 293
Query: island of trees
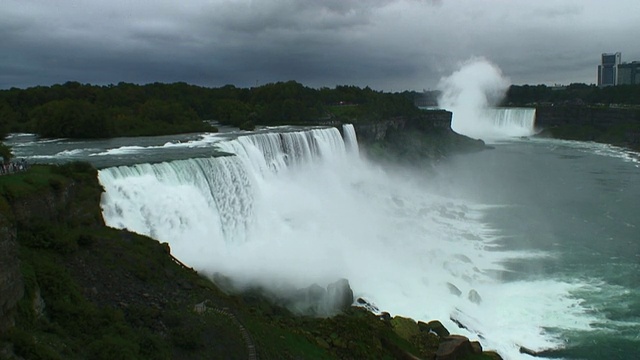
x: 74, y: 110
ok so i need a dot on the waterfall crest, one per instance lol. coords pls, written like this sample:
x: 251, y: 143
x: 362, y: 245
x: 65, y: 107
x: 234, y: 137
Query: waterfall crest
x: 511, y: 121
x: 222, y: 187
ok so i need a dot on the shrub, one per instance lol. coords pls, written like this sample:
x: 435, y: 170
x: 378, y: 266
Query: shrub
x: 112, y: 347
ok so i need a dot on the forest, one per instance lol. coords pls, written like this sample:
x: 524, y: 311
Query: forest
x: 74, y: 110
x: 574, y: 94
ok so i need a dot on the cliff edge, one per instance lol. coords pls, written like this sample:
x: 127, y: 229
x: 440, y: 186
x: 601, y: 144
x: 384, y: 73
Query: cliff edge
x: 427, y: 136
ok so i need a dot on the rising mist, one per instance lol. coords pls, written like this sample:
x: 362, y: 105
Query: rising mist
x: 472, y: 93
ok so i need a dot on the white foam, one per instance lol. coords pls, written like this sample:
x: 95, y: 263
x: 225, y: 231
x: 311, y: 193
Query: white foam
x: 600, y: 149
x: 121, y: 150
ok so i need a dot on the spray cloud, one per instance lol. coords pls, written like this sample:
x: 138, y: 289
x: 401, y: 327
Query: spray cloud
x: 471, y: 92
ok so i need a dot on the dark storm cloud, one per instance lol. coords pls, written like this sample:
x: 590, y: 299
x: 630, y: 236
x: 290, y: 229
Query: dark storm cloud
x: 385, y: 44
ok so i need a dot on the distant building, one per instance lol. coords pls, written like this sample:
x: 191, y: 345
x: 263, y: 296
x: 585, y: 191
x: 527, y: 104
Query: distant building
x: 608, y: 70
x: 629, y: 73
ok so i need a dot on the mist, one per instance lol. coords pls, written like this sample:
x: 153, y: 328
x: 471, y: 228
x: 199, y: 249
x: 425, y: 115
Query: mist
x: 472, y: 92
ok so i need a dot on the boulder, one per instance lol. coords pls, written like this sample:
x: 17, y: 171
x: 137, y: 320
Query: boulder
x: 315, y: 300
x: 474, y: 297
x: 434, y: 326
x: 339, y: 296
x: 453, y: 289
x: 406, y: 328
x: 360, y: 302
x: 477, y: 347
x: 454, y: 347
x: 308, y: 301
x: 385, y: 316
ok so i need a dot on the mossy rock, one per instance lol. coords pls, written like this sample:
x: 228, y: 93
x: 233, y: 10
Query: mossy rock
x: 406, y: 328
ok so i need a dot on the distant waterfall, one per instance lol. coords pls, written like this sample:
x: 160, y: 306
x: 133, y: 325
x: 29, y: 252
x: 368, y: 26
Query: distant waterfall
x: 519, y: 121
x: 494, y: 123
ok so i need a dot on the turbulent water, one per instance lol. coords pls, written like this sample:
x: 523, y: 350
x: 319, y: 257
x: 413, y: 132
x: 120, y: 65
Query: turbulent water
x: 532, y: 244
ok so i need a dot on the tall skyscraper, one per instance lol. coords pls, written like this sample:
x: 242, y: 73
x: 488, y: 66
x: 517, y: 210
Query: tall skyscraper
x: 608, y: 70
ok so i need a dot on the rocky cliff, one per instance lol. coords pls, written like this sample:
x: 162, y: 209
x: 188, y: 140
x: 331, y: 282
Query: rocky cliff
x: 427, y: 136
x: 428, y: 120
x: 61, y: 198
x: 11, y: 284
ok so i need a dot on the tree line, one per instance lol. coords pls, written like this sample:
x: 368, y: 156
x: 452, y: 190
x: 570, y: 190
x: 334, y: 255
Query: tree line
x: 75, y: 110
x: 576, y: 94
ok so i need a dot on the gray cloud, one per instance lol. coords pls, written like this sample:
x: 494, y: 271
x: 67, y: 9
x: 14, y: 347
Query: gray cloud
x: 385, y: 44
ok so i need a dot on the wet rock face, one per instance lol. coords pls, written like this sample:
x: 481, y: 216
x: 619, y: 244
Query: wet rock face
x: 11, y: 284
x: 339, y: 295
x: 315, y: 300
x: 434, y: 326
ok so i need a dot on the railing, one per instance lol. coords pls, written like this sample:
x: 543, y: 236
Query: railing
x: 12, y: 167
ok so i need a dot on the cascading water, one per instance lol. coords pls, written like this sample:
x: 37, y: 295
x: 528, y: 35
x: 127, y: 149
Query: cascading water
x: 470, y: 94
x: 350, y: 139
x: 509, y: 122
x: 300, y: 207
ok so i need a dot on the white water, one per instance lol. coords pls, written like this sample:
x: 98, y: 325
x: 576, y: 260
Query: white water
x: 471, y: 94
x: 300, y: 207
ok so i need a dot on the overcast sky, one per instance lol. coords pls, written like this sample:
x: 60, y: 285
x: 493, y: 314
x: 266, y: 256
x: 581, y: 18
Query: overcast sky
x: 389, y: 45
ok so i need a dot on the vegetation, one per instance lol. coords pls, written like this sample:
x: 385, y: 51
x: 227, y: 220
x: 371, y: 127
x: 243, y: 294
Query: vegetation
x: 578, y: 94
x: 77, y: 110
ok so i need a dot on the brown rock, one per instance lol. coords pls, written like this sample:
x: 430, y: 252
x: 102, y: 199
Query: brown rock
x: 477, y: 348
x: 454, y: 347
x: 433, y: 326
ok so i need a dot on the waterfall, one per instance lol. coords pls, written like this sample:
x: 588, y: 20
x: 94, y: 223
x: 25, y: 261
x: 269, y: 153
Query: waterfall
x: 222, y: 187
x: 292, y: 208
x: 492, y: 124
x: 195, y: 197
x: 272, y: 152
x: 350, y: 139
x: 512, y: 121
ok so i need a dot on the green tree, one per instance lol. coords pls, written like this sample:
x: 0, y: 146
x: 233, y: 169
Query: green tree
x: 5, y: 152
x: 70, y: 118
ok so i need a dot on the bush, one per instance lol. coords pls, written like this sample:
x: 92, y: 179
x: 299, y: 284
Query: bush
x: 187, y: 337
x: 26, y: 346
x: 248, y: 126
x: 113, y: 347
